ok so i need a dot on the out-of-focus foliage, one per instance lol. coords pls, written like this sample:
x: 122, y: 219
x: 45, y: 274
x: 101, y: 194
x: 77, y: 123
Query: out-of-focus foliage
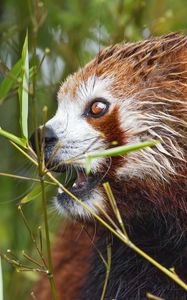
x: 74, y: 31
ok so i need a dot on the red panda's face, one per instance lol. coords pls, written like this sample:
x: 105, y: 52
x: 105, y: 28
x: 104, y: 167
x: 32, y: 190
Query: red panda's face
x: 87, y: 120
x: 90, y: 118
x: 126, y: 95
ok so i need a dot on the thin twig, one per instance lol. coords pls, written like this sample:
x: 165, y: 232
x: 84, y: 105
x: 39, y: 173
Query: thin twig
x: 32, y: 235
x: 114, y: 207
x: 29, y: 258
x: 121, y: 236
x: 117, y: 233
x: 109, y: 259
x: 153, y: 297
x: 25, y: 178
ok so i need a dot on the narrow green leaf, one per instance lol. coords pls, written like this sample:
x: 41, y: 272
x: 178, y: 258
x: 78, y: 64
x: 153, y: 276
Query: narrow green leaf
x: 23, y: 90
x: 122, y: 149
x: 10, y: 80
x: 1, y: 281
x: 36, y: 191
x: 116, y: 151
x: 20, y: 141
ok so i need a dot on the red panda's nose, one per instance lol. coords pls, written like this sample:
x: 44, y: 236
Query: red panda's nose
x: 44, y: 136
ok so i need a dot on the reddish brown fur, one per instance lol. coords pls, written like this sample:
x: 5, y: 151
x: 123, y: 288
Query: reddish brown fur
x: 154, y: 70
x: 110, y: 132
x: 108, y: 129
x: 135, y: 66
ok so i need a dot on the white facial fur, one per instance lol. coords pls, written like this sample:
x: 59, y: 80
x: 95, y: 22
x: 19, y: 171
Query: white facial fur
x: 76, y: 136
x: 71, y: 127
x: 74, y: 209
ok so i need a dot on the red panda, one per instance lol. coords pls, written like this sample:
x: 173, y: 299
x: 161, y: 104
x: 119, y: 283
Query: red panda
x: 129, y: 93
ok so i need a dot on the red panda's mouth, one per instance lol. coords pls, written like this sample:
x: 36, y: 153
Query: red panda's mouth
x: 77, y: 182
x: 82, y: 183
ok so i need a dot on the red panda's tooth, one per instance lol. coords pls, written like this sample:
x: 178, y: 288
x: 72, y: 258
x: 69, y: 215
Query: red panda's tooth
x: 60, y: 191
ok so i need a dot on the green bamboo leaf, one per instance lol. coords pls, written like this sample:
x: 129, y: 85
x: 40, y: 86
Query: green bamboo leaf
x: 20, y: 141
x: 23, y: 89
x: 36, y: 191
x: 122, y: 149
x: 10, y: 80
x: 116, y: 151
x: 1, y: 281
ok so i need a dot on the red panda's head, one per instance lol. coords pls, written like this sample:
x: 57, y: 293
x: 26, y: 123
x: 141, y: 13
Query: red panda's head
x: 128, y: 94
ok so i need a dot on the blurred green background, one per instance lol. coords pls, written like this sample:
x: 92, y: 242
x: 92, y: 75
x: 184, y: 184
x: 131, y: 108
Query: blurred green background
x: 74, y: 31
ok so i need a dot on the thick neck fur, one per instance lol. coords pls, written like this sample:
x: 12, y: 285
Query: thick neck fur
x: 158, y: 228
x: 131, y: 276
x: 137, y: 198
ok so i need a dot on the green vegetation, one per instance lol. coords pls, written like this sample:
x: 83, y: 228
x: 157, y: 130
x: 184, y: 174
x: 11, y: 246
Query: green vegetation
x: 62, y: 36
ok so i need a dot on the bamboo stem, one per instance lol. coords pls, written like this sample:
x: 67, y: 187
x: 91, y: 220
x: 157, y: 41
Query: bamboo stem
x: 108, y: 268
x: 122, y: 237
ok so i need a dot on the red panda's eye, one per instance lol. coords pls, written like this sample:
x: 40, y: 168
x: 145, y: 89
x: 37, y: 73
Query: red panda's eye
x: 98, y: 108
